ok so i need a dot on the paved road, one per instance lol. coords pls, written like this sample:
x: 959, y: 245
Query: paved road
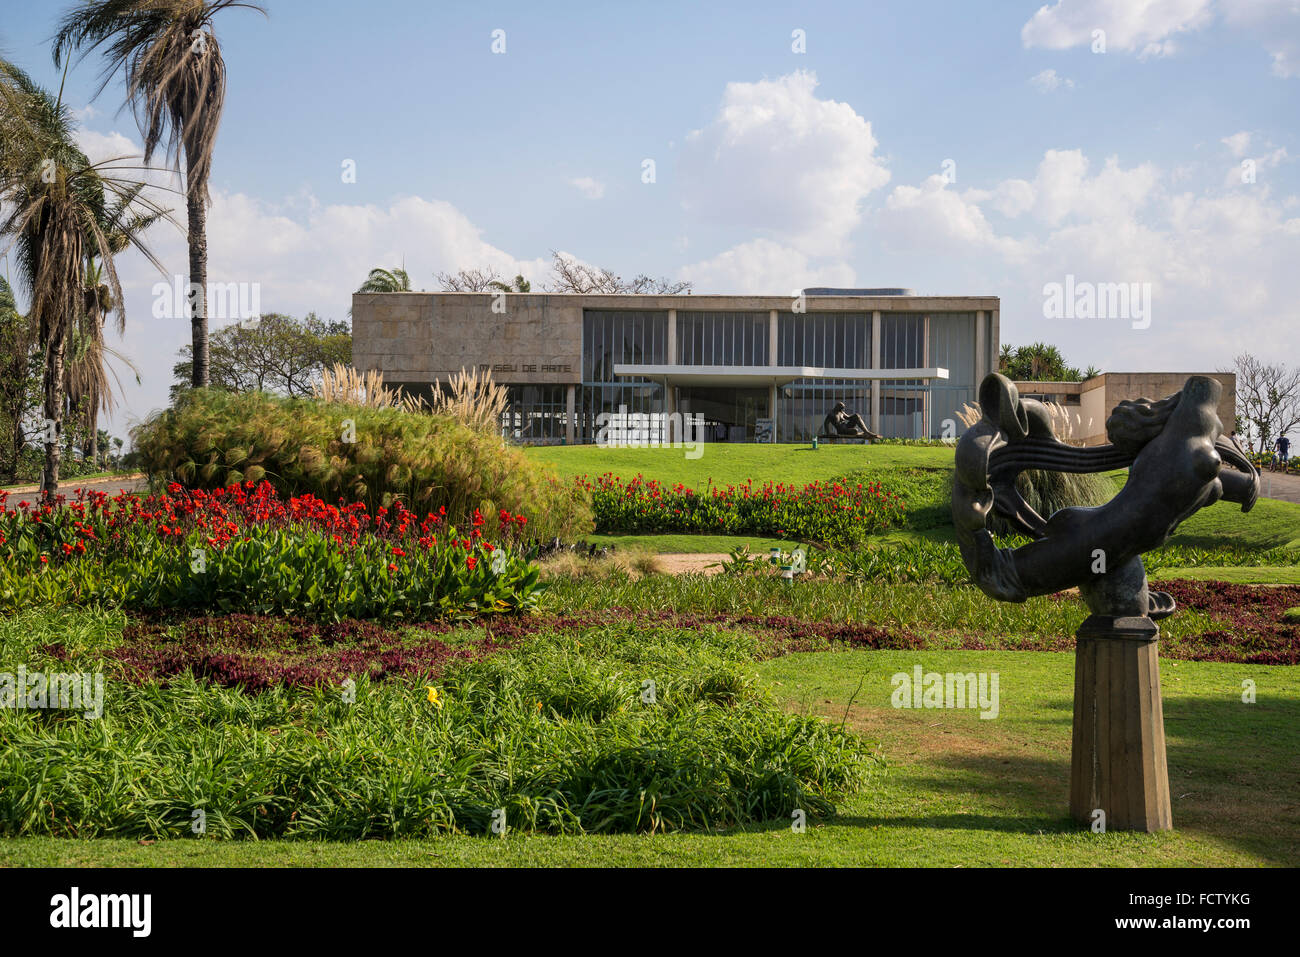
x: 121, y: 483
x: 1279, y: 486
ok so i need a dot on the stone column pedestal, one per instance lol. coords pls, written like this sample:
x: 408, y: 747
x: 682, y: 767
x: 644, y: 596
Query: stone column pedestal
x: 1118, y: 754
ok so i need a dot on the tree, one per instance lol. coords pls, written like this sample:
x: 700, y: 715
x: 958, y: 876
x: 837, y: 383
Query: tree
x: 170, y: 60
x: 20, y: 382
x: 278, y: 354
x: 518, y: 284
x: 385, y: 280
x: 56, y: 202
x: 476, y: 280
x: 1037, y: 362
x: 87, y: 372
x: 570, y: 275
x: 1268, y: 399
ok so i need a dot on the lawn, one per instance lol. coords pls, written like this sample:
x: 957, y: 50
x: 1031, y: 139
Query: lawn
x: 726, y: 464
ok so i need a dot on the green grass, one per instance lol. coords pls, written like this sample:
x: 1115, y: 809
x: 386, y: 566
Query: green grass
x: 958, y: 791
x: 733, y: 464
x: 1237, y: 574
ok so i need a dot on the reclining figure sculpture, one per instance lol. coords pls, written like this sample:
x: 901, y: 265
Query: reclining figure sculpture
x: 1179, y: 461
x: 840, y: 422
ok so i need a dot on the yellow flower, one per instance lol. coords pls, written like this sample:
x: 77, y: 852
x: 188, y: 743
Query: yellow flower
x: 539, y: 706
x: 434, y: 698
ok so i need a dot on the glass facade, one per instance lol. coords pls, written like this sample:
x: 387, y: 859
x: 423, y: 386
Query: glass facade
x: 722, y: 338
x: 535, y: 414
x: 618, y: 336
x: 831, y: 340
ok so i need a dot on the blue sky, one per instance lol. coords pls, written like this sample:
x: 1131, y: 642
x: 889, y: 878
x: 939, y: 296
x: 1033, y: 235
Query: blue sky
x: 774, y: 169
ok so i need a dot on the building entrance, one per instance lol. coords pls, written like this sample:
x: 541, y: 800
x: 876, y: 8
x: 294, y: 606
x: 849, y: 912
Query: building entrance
x: 730, y: 415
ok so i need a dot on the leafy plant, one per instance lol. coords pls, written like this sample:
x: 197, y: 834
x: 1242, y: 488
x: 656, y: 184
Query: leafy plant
x: 338, y: 451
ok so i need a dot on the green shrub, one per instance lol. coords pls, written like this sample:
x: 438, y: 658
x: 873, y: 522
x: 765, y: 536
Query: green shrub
x: 557, y: 734
x: 212, y: 439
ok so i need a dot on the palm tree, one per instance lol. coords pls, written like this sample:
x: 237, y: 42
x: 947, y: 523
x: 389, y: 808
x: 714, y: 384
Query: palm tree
x: 88, y: 386
x: 175, y: 79
x: 385, y: 280
x: 55, y: 204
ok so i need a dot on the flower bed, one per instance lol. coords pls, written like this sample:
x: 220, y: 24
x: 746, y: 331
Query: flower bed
x: 827, y: 512
x: 244, y: 549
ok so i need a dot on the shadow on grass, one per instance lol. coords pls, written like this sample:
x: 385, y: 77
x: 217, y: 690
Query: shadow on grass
x: 1234, y: 772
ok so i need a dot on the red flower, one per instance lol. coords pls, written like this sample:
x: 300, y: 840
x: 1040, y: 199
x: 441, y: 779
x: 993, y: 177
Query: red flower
x: 472, y: 562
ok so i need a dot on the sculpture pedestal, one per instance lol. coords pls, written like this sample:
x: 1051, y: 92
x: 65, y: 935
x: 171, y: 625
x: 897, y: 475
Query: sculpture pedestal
x: 1118, y: 755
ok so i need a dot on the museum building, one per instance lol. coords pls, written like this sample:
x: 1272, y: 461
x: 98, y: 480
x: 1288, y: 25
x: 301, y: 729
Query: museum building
x: 755, y: 368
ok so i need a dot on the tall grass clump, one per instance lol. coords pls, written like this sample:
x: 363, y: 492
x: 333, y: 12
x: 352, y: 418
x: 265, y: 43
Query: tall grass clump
x: 559, y: 736
x: 359, y: 453
x: 1048, y: 492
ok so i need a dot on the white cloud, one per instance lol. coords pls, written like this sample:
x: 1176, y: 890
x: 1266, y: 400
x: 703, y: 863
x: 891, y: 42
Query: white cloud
x: 1148, y: 27
x: 588, y: 187
x: 304, y: 255
x: 1141, y: 25
x: 936, y: 218
x: 1048, y: 81
x: 1237, y: 143
x: 1277, y: 25
x: 779, y: 160
x: 1220, y: 261
x: 764, y: 267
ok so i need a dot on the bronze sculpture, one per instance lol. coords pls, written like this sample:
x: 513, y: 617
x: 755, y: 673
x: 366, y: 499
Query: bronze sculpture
x: 841, y: 422
x: 1180, y: 460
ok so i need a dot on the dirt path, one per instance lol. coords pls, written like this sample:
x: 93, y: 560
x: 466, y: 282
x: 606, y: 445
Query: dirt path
x: 682, y: 563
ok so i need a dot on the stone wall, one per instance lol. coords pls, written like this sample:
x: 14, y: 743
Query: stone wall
x: 415, y: 338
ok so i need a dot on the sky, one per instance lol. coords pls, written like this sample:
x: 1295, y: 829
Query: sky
x: 1001, y: 148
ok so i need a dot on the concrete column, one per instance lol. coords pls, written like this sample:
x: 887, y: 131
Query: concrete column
x: 669, y: 434
x: 981, y: 348
x: 993, y: 338
x: 875, y: 364
x: 928, y: 384
x: 671, y: 358
x: 771, y: 407
x: 772, y: 341
x: 571, y: 416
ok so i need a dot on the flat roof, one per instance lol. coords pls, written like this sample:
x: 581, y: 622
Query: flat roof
x: 728, y: 303
x: 763, y: 375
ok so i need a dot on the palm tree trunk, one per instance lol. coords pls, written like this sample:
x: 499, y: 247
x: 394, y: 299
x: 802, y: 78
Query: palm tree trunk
x: 198, y: 238
x: 92, y: 432
x: 53, y: 383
